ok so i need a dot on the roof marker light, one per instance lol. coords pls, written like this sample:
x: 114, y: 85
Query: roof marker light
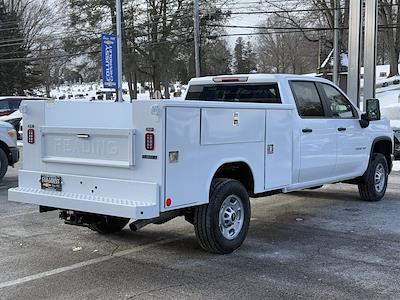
x: 230, y: 79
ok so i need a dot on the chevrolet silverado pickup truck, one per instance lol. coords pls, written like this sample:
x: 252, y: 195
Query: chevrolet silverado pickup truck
x: 233, y: 137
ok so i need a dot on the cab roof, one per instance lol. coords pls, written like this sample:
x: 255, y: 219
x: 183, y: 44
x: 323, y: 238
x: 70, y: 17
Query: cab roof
x: 251, y: 78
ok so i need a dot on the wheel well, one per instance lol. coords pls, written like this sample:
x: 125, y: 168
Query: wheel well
x: 239, y: 171
x: 6, y: 150
x: 384, y: 147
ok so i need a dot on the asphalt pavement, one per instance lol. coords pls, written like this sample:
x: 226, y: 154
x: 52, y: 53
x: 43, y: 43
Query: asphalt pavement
x: 322, y: 244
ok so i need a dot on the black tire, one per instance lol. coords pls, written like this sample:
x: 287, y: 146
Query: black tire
x: 206, y: 218
x: 3, y: 164
x: 108, y: 224
x: 368, y: 188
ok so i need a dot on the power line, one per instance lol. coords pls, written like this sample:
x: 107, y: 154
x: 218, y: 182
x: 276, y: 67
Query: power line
x: 292, y: 28
x: 10, y: 60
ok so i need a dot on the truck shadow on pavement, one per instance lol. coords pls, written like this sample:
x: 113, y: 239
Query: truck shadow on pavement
x: 327, y: 193
x: 9, y: 182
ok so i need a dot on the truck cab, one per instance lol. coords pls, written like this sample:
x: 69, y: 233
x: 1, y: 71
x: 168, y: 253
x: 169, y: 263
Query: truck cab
x: 233, y: 137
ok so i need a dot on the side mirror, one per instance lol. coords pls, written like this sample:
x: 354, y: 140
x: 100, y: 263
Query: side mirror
x: 373, y: 110
x: 373, y: 113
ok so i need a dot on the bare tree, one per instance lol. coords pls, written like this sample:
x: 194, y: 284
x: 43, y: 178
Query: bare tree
x: 284, y: 52
x: 321, y: 13
x: 389, y: 14
x: 37, y: 22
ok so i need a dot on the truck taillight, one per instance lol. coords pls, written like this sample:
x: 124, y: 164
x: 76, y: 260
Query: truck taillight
x: 150, y: 141
x: 31, y: 136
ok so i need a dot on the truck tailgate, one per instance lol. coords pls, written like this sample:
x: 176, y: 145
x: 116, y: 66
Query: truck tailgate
x: 88, y: 146
x: 88, y: 157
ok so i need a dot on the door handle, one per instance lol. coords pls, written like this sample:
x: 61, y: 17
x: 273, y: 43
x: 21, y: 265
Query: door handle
x: 307, y: 130
x: 342, y: 129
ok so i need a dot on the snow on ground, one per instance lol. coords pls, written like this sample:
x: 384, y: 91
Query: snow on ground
x: 91, y: 91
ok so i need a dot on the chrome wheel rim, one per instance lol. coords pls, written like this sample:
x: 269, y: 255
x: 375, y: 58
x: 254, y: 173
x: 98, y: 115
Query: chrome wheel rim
x: 380, y: 178
x: 231, y: 217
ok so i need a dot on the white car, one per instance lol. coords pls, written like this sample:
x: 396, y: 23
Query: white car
x: 9, y: 153
x: 15, y: 119
x: 234, y: 137
x: 9, y: 110
x: 392, y: 112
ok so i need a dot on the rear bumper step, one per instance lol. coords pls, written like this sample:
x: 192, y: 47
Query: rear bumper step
x: 85, y: 203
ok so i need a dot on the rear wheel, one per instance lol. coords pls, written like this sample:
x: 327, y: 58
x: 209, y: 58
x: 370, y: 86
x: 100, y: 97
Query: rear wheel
x: 221, y: 226
x: 108, y: 224
x: 3, y: 163
x: 375, y: 180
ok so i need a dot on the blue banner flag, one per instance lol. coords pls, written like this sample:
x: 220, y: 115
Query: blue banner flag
x: 109, y: 61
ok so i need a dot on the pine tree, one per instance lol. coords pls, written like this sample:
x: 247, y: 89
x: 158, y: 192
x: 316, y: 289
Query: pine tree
x: 216, y: 58
x: 239, y: 51
x: 249, y: 58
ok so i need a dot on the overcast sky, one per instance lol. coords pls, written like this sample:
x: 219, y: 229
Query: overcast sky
x: 244, y: 20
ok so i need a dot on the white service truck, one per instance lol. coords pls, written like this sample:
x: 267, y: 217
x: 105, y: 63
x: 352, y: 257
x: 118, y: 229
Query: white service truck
x: 233, y: 137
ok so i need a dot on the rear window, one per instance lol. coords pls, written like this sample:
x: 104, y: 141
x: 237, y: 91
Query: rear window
x: 253, y: 93
x: 7, y: 104
x: 4, y: 106
x: 14, y: 104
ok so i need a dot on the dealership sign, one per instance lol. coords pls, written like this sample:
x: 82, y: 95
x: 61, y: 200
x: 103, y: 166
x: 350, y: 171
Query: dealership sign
x: 109, y: 61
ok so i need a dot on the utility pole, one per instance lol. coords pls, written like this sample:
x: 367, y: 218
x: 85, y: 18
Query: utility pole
x: 336, y: 48
x: 353, y: 77
x: 370, y: 46
x: 196, y: 8
x: 118, y: 11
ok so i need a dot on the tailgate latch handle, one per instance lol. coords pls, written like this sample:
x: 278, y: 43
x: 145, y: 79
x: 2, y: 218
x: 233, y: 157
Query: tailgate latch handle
x: 83, y: 136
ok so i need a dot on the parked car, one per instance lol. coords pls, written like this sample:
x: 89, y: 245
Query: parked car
x: 9, y: 110
x: 9, y: 153
x: 10, y: 104
x: 15, y: 120
x: 397, y: 143
x: 392, y: 112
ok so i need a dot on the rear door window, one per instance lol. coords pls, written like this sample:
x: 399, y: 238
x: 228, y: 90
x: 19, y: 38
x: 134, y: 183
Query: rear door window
x: 251, y: 93
x: 307, y: 98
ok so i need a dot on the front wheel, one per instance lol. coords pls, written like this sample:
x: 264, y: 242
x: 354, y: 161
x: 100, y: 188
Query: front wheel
x: 374, y: 182
x: 221, y: 226
x: 3, y: 164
